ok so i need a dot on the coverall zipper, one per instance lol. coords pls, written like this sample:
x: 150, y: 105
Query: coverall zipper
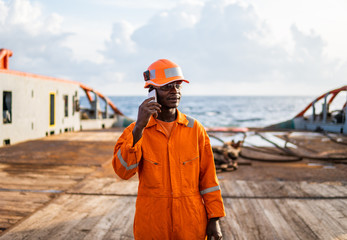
x: 189, y: 160
x: 155, y: 163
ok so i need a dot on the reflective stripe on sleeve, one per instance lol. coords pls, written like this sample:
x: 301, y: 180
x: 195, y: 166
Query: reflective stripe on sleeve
x: 208, y: 190
x: 119, y: 155
x: 190, y: 121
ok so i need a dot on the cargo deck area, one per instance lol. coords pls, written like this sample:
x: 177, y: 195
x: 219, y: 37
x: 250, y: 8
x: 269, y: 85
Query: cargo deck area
x: 64, y: 187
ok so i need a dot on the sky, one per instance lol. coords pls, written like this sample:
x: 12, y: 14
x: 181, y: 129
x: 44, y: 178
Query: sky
x: 224, y: 47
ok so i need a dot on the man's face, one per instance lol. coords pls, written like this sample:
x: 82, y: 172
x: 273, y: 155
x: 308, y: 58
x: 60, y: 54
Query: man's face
x: 169, y: 95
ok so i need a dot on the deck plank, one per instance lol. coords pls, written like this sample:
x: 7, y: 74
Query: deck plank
x: 106, y: 186
x: 249, y: 220
x: 77, y: 217
x: 98, y: 216
x: 230, y: 225
x: 276, y: 219
x: 34, y: 226
x: 288, y: 189
x: 122, y: 227
x: 316, y: 220
x: 15, y: 206
x: 41, y: 177
x: 110, y: 220
x: 340, y: 205
x: 326, y: 189
x: 328, y: 209
x: 295, y: 221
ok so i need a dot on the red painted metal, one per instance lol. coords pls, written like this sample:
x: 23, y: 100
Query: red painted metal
x: 334, y: 92
x: 107, y: 100
x: 5, y: 54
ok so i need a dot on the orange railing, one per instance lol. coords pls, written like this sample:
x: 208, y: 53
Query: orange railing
x: 4, y: 60
x: 334, y: 92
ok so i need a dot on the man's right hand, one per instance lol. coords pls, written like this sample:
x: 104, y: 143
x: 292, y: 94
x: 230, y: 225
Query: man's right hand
x: 146, y: 110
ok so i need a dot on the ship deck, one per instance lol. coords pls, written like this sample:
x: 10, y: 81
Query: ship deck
x: 64, y: 187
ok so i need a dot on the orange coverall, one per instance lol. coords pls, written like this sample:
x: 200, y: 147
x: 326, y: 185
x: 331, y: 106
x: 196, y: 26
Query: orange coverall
x: 178, y: 188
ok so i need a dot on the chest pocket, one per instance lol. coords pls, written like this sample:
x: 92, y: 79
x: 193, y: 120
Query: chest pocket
x: 190, y: 168
x: 151, y: 173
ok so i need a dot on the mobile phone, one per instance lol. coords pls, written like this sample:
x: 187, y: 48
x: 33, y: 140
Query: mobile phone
x: 153, y: 93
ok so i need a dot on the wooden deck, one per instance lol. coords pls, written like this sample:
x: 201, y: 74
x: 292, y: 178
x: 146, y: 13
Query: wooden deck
x: 84, y: 200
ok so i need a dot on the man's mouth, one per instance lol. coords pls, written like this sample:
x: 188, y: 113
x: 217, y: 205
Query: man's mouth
x: 174, y: 98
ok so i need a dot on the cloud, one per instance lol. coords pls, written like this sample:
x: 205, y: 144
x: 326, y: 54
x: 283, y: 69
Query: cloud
x: 3, y: 12
x: 226, y: 44
x: 139, y: 4
x: 308, y: 64
x: 34, y: 38
x: 213, y: 42
x: 120, y: 45
x: 222, y: 47
x: 37, y: 41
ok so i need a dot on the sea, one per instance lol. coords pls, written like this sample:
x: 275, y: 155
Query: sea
x: 226, y: 111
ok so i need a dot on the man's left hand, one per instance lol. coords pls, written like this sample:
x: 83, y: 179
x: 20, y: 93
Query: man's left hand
x: 213, y: 229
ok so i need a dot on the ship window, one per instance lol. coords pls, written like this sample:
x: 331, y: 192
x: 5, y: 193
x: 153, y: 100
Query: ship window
x: 7, y: 107
x: 66, y: 105
x: 73, y: 105
x: 52, y: 109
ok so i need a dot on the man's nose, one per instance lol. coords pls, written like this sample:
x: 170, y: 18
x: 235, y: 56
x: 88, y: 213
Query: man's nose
x: 174, y: 89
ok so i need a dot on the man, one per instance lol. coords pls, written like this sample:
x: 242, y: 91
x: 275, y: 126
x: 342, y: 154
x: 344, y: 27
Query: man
x: 178, y: 196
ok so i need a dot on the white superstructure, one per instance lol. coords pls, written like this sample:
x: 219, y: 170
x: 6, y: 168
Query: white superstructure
x: 35, y: 106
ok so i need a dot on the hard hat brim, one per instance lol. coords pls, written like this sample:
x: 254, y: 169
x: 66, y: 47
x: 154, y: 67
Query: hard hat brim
x: 162, y: 82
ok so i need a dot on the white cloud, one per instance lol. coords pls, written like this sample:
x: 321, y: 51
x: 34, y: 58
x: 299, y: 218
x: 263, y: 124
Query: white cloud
x: 54, y: 23
x: 223, y: 47
x: 36, y: 40
x: 3, y: 12
x: 328, y: 18
x: 151, y: 4
x: 120, y: 45
x: 227, y: 44
x: 25, y: 15
x: 215, y: 47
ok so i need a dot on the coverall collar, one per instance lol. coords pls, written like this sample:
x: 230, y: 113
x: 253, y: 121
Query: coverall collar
x: 181, y: 119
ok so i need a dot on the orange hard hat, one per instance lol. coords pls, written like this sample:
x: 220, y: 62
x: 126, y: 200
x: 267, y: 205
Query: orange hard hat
x: 162, y: 72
